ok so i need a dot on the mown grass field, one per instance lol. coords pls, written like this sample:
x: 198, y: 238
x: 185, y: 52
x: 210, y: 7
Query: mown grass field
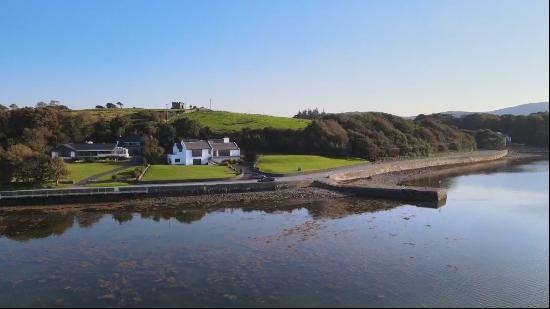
x: 288, y: 164
x: 187, y: 173
x: 80, y: 171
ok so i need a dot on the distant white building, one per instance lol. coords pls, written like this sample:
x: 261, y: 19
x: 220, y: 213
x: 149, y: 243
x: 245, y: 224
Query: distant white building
x: 200, y: 152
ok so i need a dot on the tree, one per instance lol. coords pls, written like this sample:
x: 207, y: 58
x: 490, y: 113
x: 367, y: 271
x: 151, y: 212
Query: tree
x: 37, y: 138
x: 153, y: 153
x: 110, y: 105
x: 99, y: 106
x: 14, y: 106
x: 14, y: 165
x: 166, y: 135
x: 186, y: 128
x: 41, y: 104
x: 56, y: 170
x: 119, y: 125
x: 21, y: 164
x: 119, y: 104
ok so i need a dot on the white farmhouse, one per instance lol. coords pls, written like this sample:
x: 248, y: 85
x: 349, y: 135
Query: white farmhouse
x: 191, y: 152
x: 223, y: 149
x: 200, y: 152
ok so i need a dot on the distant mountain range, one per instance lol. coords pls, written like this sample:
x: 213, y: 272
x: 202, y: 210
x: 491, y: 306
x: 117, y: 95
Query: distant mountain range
x: 523, y: 109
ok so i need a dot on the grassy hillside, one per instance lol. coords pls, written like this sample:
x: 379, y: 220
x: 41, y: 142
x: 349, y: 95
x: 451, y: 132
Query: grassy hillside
x: 219, y: 121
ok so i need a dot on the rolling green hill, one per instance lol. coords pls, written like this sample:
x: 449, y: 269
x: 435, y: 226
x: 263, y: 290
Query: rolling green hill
x: 219, y: 121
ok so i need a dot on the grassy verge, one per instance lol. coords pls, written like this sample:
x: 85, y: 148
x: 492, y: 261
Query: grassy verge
x: 108, y: 184
x: 288, y: 164
x: 187, y: 173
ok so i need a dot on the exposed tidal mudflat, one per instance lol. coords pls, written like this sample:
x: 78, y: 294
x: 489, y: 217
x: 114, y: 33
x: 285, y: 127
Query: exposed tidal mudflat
x: 488, y: 246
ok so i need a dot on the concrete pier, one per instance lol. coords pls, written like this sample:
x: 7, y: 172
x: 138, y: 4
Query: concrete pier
x: 401, y: 193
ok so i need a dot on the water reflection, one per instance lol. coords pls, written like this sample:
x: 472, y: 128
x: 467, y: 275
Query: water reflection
x: 481, y: 250
x: 38, y: 223
x: 23, y: 227
x: 448, y: 178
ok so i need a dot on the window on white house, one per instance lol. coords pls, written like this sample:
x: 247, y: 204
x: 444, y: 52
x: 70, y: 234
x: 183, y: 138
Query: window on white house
x: 196, y: 152
x: 177, y: 161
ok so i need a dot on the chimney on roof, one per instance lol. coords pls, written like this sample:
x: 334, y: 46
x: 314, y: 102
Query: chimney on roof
x: 226, y: 139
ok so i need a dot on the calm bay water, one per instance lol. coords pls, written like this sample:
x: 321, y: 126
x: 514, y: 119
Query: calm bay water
x: 488, y: 246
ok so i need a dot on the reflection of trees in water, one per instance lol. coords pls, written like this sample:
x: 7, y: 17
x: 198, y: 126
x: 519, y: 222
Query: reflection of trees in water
x: 122, y: 216
x: 88, y: 219
x: 181, y: 215
x: 26, y: 227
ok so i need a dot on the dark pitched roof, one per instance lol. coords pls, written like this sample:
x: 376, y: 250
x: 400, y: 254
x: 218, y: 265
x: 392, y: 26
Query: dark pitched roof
x: 64, y: 147
x: 216, y: 145
x: 132, y: 139
x: 215, y: 140
x: 196, y: 144
x: 90, y: 147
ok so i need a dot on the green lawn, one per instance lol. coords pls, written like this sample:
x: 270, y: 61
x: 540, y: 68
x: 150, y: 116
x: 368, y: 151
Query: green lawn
x: 125, y: 173
x: 193, y: 172
x: 221, y: 122
x: 80, y: 171
x: 287, y: 164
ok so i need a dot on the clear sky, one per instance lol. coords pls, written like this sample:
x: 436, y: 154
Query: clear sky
x: 275, y: 57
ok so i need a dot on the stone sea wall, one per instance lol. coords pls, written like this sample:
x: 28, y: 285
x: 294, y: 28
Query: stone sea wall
x: 389, y: 167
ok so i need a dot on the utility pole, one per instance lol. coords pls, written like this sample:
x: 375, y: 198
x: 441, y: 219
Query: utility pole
x: 166, y: 113
x: 210, y: 103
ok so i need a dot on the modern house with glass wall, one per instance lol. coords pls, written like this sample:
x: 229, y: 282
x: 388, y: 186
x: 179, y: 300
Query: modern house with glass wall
x: 90, y: 151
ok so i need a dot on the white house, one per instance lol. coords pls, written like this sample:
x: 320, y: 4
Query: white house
x: 200, y: 152
x: 223, y: 149
x: 190, y: 152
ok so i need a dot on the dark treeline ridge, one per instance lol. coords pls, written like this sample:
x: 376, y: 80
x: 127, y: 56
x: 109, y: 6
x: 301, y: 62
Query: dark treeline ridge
x: 530, y: 130
x: 365, y: 135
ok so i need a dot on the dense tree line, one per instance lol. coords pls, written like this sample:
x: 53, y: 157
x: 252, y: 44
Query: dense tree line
x: 530, y: 130
x: 310, y: 114
x: 365, y: 135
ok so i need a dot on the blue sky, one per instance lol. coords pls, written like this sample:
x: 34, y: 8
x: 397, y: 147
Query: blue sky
x: 275, y: 57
